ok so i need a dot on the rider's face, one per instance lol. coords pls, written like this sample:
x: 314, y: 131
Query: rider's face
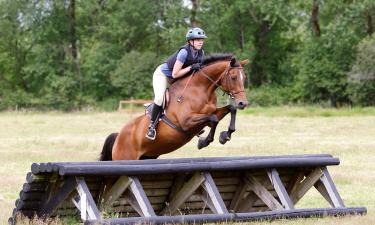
x: 197, y: 43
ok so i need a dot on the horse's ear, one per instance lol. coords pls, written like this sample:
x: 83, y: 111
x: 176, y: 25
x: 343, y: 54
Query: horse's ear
x: 233, y: 61
x: 244, y: 62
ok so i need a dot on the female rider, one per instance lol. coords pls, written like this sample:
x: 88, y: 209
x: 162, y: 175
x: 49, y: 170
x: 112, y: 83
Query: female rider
x: 187, y: 59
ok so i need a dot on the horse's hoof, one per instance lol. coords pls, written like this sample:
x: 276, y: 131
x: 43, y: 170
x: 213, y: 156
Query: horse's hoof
x: 224, y: 137
x: 202, y: 142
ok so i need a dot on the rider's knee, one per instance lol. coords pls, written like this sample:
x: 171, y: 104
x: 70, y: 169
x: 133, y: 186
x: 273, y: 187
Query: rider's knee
x: 158, y: 100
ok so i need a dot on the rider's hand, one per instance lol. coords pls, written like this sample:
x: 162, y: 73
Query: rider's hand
x: 195, y: 67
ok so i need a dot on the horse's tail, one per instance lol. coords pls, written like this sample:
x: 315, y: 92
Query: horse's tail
x: 106, y: 154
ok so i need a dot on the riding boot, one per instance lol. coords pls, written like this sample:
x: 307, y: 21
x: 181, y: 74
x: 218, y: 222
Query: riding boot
x: 155, y: 114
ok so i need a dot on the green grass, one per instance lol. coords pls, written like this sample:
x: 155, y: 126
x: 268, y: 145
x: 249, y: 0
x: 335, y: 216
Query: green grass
x: 27, y: 137
x: 310, y: 111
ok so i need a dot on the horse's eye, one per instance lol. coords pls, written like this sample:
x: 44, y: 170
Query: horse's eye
x: 233, y: 78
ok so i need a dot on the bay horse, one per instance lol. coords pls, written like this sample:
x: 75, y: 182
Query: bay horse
x: 192, y: 106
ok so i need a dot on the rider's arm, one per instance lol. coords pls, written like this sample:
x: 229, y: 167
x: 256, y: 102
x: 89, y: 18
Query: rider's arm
x: 177, y: 68
x: 178, y: 71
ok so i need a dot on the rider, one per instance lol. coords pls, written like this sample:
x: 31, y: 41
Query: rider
x: 187, y: 59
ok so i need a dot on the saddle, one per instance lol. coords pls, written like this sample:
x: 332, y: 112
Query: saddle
x: 163, y: 115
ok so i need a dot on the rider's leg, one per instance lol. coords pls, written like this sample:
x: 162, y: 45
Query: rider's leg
x: 159, y: 82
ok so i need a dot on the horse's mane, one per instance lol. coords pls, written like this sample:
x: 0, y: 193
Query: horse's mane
x: 217, y: 57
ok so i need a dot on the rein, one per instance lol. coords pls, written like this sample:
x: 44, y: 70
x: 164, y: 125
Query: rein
x: 229, y: 93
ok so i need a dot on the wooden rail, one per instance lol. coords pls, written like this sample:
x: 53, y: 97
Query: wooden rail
x: 132, y: 103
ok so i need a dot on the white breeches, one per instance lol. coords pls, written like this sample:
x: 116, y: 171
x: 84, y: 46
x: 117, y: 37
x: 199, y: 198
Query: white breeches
x: 159, y: 82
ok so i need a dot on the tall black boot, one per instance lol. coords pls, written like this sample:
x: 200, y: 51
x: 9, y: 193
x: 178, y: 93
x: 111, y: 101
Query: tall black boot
x: 155, y: 114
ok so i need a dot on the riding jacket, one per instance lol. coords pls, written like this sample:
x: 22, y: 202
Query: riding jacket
x: 185, y: 55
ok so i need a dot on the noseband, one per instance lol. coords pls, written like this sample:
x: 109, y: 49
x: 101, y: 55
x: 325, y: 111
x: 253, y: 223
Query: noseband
x: 222, y: 76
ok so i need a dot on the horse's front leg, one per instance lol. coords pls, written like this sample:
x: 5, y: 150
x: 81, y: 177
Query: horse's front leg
x: 226, y: 135
x: 204, y: 142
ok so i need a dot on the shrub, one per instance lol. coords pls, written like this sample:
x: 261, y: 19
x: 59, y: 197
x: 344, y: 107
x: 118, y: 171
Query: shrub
x: 362, y: 75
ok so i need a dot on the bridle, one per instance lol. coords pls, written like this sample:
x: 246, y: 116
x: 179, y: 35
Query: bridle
x: 222, y: 76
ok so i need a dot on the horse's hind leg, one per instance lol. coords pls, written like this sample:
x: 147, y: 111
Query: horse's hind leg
x: 226, y: 135
x: 204, y: 142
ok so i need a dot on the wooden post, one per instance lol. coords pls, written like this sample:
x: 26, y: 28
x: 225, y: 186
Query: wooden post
x: 280, y: 189
x: 186, y: 191
x: 262, y: 193
x: 86, y: 204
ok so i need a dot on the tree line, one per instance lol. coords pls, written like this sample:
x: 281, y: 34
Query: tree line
x: 70, y: 54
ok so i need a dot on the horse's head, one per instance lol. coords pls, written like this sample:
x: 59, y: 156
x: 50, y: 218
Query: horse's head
x: 233, y: 81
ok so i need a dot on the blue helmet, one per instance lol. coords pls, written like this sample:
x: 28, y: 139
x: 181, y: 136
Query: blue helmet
x: 195, y: 33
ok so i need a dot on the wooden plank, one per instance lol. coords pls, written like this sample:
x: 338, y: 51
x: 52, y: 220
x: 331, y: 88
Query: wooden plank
x: 196, y: 205
x: 115, y: 192
x: 157, y: 192
x: 153, y: 178
x: 88, y: 208
x: 251, y: 200
x: 302, y: 188
x: 156, y: 184
x: 153, y: 200
x: 196, y: 197
x: 178, y: 183
x: 131, y: 209
x: 263, y: 193
x: 133, y: 202
x: 227, y: 188
x: 238, y: 195
x: 295, y: 181
x: 323, y: 191
x: 202, y: 194
x: 185, y: 192
x: 34, y: 187
x: 140, y: 196
x: 64, y: 191
x: 213, y: 196
x: 32, y: 178
x: 30, y: 196
x: 246, y: 205
x: 280, y: 189
x: 331, y: 189
x: 226, y: 181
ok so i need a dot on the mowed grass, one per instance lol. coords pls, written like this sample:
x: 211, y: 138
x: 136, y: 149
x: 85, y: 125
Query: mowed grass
x: 43, y: 137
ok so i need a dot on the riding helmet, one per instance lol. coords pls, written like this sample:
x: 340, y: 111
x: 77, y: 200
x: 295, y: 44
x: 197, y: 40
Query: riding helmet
x: 195, y: 33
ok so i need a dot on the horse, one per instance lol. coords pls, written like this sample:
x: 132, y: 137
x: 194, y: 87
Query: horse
x: 192, y: 106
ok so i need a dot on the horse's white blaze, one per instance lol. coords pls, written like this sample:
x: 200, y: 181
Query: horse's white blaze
x: 241, y: 75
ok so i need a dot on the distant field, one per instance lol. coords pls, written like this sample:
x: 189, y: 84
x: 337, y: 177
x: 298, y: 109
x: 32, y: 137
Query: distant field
x: 348, y: 134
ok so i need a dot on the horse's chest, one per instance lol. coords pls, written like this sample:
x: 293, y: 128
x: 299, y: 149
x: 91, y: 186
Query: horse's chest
x: 208, y: 109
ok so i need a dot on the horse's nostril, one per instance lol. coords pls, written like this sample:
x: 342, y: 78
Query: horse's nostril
x: 240, y: 103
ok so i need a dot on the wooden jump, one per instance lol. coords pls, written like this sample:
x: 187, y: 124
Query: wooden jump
x: 189, y: 190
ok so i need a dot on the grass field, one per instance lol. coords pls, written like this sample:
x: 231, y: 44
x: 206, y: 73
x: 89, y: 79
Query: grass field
x: 29, y: 137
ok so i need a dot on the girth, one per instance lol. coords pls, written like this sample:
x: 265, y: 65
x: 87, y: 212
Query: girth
x: 167, y: 121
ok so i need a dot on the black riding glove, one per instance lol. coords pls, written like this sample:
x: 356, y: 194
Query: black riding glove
x: 195, y: 67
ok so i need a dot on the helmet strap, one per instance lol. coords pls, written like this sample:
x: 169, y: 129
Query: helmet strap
x: 192, y: 45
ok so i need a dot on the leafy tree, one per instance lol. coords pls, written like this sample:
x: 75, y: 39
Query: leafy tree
x: 362, y: 74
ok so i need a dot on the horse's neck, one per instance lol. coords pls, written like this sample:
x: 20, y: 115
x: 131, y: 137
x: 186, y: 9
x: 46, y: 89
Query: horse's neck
x: 210, y: 75
x: 207, y: 78
x: 203, y: 83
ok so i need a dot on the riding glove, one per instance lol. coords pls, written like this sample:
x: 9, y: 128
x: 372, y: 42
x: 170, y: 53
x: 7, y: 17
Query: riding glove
x: 195, y: 67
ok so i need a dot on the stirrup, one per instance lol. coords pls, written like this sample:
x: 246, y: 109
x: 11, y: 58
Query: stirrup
x: 151, y: 133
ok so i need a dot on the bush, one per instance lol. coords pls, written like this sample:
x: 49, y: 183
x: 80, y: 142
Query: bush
x: 14, y: 100
x: 268, y: 96
x: 133, y: 75
x: 362, y: 74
